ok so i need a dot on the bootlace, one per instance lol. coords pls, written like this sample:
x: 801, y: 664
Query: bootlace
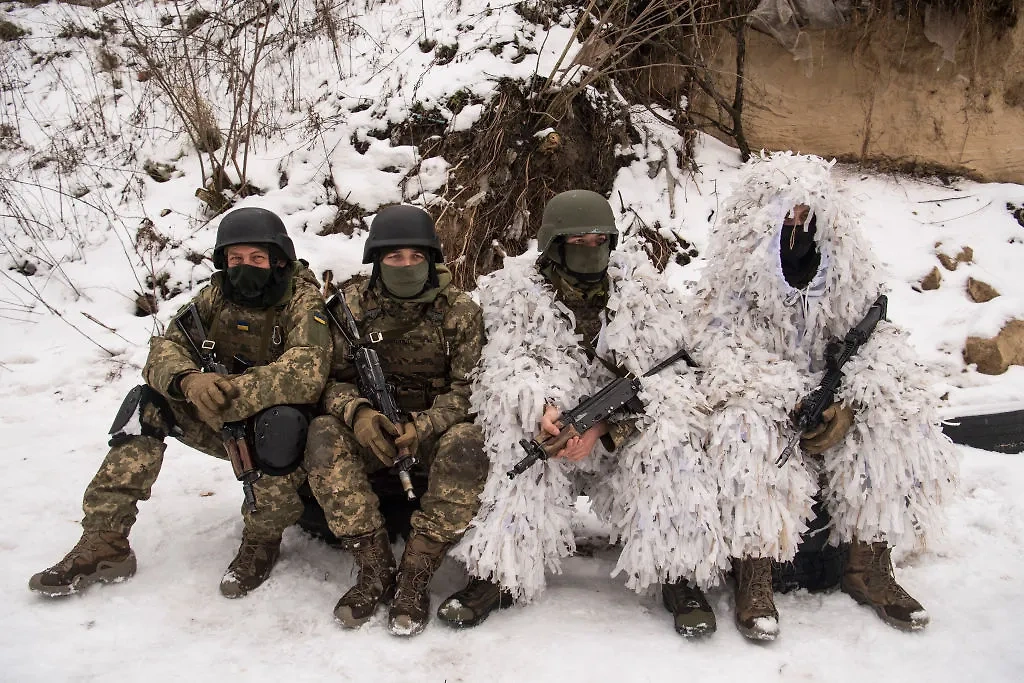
x: 89, y: 544
x: 373, y: 565
x: 759, y: 584
x: 882, y: 558
x: 413, y: 584
x: 247, y: 556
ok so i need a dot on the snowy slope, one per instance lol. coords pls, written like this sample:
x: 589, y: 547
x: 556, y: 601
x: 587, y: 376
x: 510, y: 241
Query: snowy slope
x: 63, y: 375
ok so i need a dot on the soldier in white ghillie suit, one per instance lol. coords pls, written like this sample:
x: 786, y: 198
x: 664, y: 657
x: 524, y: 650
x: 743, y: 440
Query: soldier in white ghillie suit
x: 549, y: 324
x: 788, y: 269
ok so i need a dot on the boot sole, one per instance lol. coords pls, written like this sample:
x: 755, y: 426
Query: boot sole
x: 106, y: 572
x: 345, y: 618
x: 907, y: 627
x: 756, y: 634
x: 459, y: 624
x: 696, y: 631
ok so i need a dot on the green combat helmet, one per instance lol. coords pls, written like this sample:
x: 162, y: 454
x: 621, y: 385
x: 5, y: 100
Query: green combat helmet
x: 251, y: 225
x: 576, y: 212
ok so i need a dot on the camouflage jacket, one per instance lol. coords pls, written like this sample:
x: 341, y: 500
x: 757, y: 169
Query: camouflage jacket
x: 432, y: 348
x: 288, y: 344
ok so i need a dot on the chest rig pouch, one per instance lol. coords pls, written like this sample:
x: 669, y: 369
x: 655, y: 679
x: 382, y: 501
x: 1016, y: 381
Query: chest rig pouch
x: 247, y: 337
x: 415, y: 355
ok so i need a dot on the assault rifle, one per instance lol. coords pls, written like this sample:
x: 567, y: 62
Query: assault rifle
x: 232, y: 433
x: 622, y: 391
x: 372, y: 383
x: 837, y: 353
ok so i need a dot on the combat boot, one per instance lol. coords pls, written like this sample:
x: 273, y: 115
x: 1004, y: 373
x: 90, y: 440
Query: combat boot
x: 869, y: 580
x: 689, y: 608
x: 251, y: 566
x: 756, y: 616
x: 410, y: 608
x: 375, y: 583
x: 471, y: 605
x: 99, y: 556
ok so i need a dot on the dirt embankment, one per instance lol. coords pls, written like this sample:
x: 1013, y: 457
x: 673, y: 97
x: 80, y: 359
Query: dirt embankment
x: 885, y: 93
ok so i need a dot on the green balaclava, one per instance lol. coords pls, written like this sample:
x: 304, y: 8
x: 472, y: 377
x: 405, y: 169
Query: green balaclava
x: 585, y: 263
x: 405, y: 282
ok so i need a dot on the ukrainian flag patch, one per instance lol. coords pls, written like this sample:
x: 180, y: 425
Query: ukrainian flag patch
x: 242, y: 325
x: 320, y: 318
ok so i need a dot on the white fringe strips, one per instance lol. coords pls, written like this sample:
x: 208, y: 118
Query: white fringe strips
x: 657, y: 491
x: 763, y: 343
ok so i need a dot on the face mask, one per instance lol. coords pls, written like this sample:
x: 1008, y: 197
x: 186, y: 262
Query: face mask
x: 248, y: 282
x: 405, y: 282
x: 580, y: 259
x: 796, y: 242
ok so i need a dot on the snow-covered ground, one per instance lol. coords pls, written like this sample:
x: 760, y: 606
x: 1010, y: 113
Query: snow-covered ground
x: 71, y: 348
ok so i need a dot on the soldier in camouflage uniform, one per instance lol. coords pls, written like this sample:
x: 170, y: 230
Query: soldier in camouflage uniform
x: 428, y: 336
x: 265, y: 307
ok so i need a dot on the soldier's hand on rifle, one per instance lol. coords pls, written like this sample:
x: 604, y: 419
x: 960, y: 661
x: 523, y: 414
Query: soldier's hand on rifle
x: 210, y: 393
x: 409, y: 438
x: 836, y: 422
x: 581, y: 446
x: 375, y: 432
x: 549, y: 420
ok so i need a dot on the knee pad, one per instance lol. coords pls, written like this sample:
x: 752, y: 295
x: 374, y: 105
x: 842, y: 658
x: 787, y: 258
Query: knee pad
x: 133, y: 418
x: 279, y: 439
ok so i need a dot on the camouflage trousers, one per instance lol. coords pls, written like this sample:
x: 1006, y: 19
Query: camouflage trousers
x: 131, y: 468
x: 339, y: 468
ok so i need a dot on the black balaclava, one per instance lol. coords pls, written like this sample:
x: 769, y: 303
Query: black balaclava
x: 798, y: 253
x: 254, y: 287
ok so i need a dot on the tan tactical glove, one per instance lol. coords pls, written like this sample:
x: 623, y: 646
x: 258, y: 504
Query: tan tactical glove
x: 210, y: 393
x: 836, y: 422
x: 409, y: 438
x: 370, y: 428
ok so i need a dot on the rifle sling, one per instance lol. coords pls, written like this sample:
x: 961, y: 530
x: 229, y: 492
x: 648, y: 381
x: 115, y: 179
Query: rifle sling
x: 592, y: 354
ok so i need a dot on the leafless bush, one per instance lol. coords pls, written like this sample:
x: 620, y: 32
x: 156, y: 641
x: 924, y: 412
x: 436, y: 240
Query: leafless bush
x: 199, y: 53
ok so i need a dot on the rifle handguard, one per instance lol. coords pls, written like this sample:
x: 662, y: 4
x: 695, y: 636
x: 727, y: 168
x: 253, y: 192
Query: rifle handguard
x: 541, y: 450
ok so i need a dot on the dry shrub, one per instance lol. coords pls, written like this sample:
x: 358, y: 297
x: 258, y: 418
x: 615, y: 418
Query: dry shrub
x: 10, y: 31
x: 503, y: 173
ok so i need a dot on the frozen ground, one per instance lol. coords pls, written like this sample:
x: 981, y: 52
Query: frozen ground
x: 63, y: 374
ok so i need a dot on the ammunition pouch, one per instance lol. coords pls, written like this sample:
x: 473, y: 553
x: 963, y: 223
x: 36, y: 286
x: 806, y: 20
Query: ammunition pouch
x: 279, y: 439
x: 143, y: 412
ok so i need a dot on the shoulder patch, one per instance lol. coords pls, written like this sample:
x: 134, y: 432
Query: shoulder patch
x: 320, y: 317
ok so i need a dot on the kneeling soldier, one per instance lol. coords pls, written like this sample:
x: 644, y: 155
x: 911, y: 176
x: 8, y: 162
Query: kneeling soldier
x: 427, y: 336
x: 264, y: 313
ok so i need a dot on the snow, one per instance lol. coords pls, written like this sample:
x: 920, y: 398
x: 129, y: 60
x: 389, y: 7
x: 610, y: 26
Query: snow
x: 71, y: 348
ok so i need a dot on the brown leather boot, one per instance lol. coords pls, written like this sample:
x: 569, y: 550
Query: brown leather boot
x: 251, y: 566
x: 869, y: 580
x: 691, y: 613
x: 99, y: 556
x: 756, y: 616
x: 375, y: 583
x: 471, y: 605
x: 410, y: 608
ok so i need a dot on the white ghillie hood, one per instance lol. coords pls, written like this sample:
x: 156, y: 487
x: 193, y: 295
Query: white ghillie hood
x: 764, y: 343
x: 656, y: 491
